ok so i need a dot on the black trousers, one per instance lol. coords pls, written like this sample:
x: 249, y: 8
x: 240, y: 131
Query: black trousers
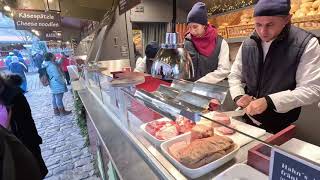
x: 67, y: 76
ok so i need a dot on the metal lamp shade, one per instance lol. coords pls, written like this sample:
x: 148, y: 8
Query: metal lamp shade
x: 172, y: 64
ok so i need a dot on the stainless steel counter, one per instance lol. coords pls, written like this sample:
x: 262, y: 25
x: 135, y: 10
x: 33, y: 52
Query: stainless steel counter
x: 303, y: 149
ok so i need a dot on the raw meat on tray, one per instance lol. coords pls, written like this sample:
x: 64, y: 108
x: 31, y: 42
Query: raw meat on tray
x: 166, y: 129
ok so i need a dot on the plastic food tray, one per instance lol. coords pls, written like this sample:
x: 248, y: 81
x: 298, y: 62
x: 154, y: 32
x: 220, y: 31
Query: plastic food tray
x: 150, y: 137
x: 195, y: 173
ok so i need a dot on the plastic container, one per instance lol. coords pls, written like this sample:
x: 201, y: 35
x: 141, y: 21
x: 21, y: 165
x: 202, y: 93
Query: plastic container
x: 149, y: 136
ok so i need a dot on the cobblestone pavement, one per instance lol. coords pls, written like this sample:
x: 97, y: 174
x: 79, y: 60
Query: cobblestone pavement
x: 63, y: 146
x: 33, y: 82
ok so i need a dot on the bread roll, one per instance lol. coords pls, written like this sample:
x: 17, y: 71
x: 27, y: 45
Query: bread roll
x: 316, y: 4
x: 306, y: 5
x: 300, y: 13
x: 304, y: 1
x: 294, y: 8
x: 312, y: 12
x: 303, y: 10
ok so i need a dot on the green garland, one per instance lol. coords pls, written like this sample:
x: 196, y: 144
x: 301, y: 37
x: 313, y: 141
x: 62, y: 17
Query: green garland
x: 80, y: 115
x: 221, y: 6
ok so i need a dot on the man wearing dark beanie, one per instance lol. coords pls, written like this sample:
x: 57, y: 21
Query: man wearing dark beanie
x: 276, y: 70
x: 144, y: 64
x: 208, y: 50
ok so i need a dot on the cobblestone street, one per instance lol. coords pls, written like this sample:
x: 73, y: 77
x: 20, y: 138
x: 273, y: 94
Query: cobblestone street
x: 63, y: 146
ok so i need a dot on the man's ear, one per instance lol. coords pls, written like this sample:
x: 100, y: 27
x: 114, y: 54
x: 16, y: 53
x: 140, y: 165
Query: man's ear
x: 288, y: 18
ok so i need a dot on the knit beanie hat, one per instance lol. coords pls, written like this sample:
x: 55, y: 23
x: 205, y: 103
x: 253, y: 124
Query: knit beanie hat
x: 151, y: 49
x: 272, y: 8
x: 198, y: 14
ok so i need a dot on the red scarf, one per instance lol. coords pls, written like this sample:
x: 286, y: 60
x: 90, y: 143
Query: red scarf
x: 206, y: 44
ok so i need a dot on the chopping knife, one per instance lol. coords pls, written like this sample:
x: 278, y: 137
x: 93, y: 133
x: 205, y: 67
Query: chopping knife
x: 236, y: 113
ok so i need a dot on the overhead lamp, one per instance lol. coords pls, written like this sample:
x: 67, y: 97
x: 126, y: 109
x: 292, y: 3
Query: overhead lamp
x: 7, y: 8
x: 172, y: 60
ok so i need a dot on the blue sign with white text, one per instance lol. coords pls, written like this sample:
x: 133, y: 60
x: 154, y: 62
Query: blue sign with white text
x: 285, y: 166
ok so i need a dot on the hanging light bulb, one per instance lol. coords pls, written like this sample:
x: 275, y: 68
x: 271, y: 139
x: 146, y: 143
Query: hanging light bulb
x: 172, y: 60
x: 7, y: 8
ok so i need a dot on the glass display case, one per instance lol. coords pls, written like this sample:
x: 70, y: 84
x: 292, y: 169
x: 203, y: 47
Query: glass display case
x: 156, y: 122
x: 177, y: 130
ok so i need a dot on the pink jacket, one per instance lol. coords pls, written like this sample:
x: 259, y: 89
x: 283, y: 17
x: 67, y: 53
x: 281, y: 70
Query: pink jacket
x: 4, y: 120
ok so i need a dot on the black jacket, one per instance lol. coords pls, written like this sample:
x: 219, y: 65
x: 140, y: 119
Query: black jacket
x: 22, y: 123
x: 275, y: 73
x: 202, y: 64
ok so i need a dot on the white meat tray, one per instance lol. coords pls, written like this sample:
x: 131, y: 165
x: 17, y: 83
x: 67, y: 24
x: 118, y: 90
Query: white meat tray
x: 149, y: 136
x: 194, y: 173
x: 241, y: 171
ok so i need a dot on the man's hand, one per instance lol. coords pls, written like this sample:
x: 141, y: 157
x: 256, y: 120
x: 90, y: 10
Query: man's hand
x: 244, y: 101
x: 256, y: 107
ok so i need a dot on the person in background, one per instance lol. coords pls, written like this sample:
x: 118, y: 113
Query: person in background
x: 19, y: 68
x: 276, y: 70
x: 66, y: 61
x: 38, y: 59
x: 20, y: 57
x: 8, y: 59
x: 21, y: 122
x: 144, y: 64
x: 208, y: 50
x: 57, y: 83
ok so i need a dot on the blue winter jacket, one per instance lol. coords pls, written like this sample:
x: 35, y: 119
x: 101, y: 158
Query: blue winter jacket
x: 57, y: 82
x: 18, y: 68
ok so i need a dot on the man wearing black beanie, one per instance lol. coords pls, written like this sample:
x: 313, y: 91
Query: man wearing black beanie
x: 276, y: 70
x: 144, y: 64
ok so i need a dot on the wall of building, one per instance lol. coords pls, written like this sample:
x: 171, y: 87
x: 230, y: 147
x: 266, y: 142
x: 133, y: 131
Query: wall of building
x: 155, y: 11
x: 69, y: 33
x: 116, y: 43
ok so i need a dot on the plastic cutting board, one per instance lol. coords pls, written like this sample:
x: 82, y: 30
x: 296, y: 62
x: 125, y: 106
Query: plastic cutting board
x: 238, y: 138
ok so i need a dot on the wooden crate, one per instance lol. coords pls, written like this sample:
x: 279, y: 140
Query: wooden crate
x: 239, y: 30
x: 259, y: 156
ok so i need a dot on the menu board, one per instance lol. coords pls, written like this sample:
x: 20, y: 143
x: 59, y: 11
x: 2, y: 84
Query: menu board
x: 38, y: 20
